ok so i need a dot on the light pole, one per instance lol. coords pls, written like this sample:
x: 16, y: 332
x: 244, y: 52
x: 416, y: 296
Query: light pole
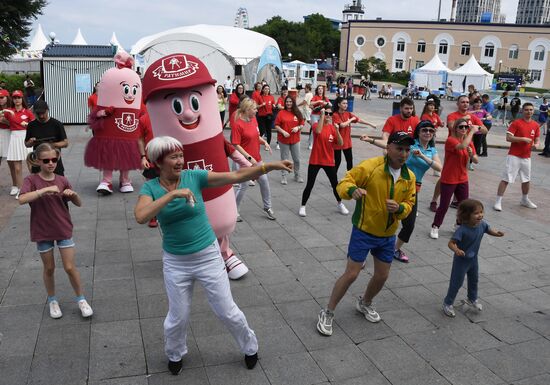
x: 410, y: 59
x: 289, y: 56
x: 499, y: 65
x: 52, y: 37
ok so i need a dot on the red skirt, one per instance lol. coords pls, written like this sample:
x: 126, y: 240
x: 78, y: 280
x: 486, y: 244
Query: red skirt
x: 112, y: 154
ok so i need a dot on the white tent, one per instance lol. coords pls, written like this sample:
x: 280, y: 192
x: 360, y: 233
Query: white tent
x: 470, y: 73
x: 79, y: 39
x: 432, y: 75
x: 115, y: 43
x: 226, y: 51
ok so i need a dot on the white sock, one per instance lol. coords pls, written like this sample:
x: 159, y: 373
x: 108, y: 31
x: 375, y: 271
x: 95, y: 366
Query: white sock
x: 499, y: 200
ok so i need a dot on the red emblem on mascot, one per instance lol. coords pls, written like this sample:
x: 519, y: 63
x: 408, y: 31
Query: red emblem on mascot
x: 127, y: 122
x: 175, y: 67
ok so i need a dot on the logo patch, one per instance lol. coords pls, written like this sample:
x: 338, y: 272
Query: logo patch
x: 175, y: 67
x: 127, y: 122
x: 199, y: 165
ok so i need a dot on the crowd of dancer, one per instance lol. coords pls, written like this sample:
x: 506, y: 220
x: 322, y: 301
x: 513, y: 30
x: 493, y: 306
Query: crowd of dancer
x: 385, y: 189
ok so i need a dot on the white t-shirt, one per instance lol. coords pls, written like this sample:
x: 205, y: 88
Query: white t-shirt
x: 228, y: 83
x: 395, y: 173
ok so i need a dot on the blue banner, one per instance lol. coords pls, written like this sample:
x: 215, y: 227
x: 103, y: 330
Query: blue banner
x: 270, y: 55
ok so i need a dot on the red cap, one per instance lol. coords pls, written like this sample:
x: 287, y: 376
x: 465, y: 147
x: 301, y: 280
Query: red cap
x: 17, y: 93
x: 4, y: 93
x: 175, y: 71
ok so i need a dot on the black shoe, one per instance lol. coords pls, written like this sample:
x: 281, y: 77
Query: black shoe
x: 454, y: 204
x: 543, y: 154
x: 251, y: 361
x: 483, y: 155
x: 175, y: 367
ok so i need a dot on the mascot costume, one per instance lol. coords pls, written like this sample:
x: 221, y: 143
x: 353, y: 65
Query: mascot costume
x: 182, y: 103
x: 114, y: 122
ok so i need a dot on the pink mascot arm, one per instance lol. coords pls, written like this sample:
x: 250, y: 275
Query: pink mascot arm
x: 239, y: 158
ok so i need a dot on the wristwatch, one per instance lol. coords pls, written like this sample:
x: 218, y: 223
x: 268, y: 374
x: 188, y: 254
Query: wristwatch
x: 249, y: 158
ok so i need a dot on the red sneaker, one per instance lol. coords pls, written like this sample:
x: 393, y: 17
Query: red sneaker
x: 153, y: 222
x: 401, y: 256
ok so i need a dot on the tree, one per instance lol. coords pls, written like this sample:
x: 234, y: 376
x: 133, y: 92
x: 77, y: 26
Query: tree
x: 16, y: 24
x: 313, y: 39
x: 373, y: 67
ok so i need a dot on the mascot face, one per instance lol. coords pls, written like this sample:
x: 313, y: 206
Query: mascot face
x: 181, y: 99
x: 189, y: 115
x: 119, y: 87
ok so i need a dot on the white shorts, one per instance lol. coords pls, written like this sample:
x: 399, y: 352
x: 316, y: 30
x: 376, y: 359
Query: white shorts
x: 4, y: 142
x: 515, y: 166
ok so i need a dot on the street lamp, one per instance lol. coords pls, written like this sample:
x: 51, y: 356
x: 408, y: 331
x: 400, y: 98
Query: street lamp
x: 289, y: 56
x: 52, y: 37
x: 410, y: 59
x: 499, y: 65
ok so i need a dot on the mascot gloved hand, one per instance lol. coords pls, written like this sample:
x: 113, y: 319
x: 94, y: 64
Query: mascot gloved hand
x: 181, y: 99
x: 114, y: 121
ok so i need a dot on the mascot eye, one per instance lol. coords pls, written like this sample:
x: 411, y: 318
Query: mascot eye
x: 177, y: 106
x: 134, y: 90
x: 194, y: 102
x: 126, y: 89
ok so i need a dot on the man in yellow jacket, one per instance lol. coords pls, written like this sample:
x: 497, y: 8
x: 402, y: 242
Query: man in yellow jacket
x: 384, y: 189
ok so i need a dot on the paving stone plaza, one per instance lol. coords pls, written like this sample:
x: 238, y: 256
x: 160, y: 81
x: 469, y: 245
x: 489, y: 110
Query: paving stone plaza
x: 293, y: 264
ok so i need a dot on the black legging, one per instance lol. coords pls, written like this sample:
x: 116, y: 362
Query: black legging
x: 264, y: 124
x: 312, y: 171
x: 407, y: 224
x: 222, y: 117
x: 338, y: 158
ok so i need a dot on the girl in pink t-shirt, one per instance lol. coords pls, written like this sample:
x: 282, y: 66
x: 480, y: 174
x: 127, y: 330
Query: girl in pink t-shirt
x: 48, y: 195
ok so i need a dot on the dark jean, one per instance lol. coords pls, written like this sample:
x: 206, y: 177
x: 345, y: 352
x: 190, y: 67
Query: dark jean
x: 463, y: 266
x: 546, y: 149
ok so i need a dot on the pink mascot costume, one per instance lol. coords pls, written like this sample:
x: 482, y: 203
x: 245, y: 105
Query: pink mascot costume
x: 181, y: 100
x: 114, y: 122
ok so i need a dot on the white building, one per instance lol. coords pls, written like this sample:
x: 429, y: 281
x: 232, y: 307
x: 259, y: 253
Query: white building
x: 533, y: 12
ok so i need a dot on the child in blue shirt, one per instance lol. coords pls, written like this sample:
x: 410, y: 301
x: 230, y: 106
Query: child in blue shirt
x: 465, y: 244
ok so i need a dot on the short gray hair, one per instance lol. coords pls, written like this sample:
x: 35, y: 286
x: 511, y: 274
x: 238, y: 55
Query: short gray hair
x: 161, y: 146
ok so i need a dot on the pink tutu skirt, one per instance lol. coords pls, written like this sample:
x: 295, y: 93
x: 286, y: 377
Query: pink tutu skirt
x: 112, y: 154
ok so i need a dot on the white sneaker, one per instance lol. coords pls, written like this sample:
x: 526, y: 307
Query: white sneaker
x: 55, y: 310
x: 369, y: 311
x: 324, y: 322
x: 342, y: 209
x: 449, y: 310
x: 434, y: 233
x: 14, y: 190
x: 298, y: 179
x: 85, y: 309
x: 310, y: 147
x: 251, y: 183
x: 126, y: 188
x: 476, y: 305
x: 497, y: 206
x: 277, y: 147
x: 235, y: 267
x: 471, y: 167
x: 526, y: 202
x: 270, y: 214
x: 283, y: 180
x: 302, y: 211
x: 104, y: 188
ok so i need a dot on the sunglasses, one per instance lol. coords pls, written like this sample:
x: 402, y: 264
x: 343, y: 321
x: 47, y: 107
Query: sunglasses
x: 328, y: 113
x: 431, y: 131
x: 462, y: 127
x: 46, y: 161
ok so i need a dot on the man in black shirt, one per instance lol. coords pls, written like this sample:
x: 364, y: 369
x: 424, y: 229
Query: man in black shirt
x: 46, y: 129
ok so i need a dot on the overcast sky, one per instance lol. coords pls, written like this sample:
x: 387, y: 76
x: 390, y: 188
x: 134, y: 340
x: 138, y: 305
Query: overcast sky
x: 133, y: 19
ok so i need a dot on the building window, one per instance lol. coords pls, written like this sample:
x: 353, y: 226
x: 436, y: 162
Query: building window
x: 421, y: 47
x: 489, y: 50
x: 536, y: 75
x: 513, y: 52
x: 539, y: 53
x: 443, y: 47
x: 400, y: 45
x: 465, y: 49
x: 418, y: 64
x: 398, y: 64
x: 380, y: 41
x: 359, y: 41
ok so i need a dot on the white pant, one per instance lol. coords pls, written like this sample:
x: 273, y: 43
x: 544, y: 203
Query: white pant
x: 180, y: 273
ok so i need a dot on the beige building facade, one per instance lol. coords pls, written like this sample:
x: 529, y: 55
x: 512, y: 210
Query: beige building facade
x: 406, y: 45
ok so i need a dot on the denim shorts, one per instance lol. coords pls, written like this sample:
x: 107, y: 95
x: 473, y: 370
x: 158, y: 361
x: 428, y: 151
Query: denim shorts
x: 45, y: 246
x: 360, y: 243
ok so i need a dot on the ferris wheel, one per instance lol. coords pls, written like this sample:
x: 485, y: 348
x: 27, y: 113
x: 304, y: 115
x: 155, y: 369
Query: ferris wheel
x: 241, y: 18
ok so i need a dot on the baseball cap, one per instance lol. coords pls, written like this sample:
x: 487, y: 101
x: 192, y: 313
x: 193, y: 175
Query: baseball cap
x: 4, y: 93
x: 40, y: 107
x: 17, y: 93
x: 424, y: 124
x: 178, y: 70
x: 400, y: 137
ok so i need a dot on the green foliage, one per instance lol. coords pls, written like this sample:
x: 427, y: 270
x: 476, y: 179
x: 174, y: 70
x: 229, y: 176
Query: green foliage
x: 15, y: 82
x: 16, y: 24
x: 313, y: 39
x: 373, y: 67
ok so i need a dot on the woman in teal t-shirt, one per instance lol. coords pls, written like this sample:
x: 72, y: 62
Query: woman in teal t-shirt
x: 190, y: 249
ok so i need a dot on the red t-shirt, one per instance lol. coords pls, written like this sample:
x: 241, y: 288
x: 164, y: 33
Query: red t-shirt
x: 322, y: 153
x: 454, y: 168
x: 458, y: 115
x: 281, y: 102
x: 145, y: 128
x: 397, y: 123
x: 434, y: 118
x: 233, y: 103
x: 24, y: 115
x: 92, y: 101
x: 269, y: 101
x: 523, y: 129
x: 50, y: 218
x: 317, y: 106
x: 247, y: 135
x: 338, y: 118
x: 256, y: 97
x: 287, y: 121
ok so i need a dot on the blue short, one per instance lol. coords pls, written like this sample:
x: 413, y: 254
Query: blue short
x: 360, y: 243
x: 45, y: 246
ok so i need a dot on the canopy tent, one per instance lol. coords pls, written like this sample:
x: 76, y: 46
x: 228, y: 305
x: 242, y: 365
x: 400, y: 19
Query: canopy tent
x: 226, y: 51
x: 470, y: 73
x: 79, y: 39
x: 432, y: 75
